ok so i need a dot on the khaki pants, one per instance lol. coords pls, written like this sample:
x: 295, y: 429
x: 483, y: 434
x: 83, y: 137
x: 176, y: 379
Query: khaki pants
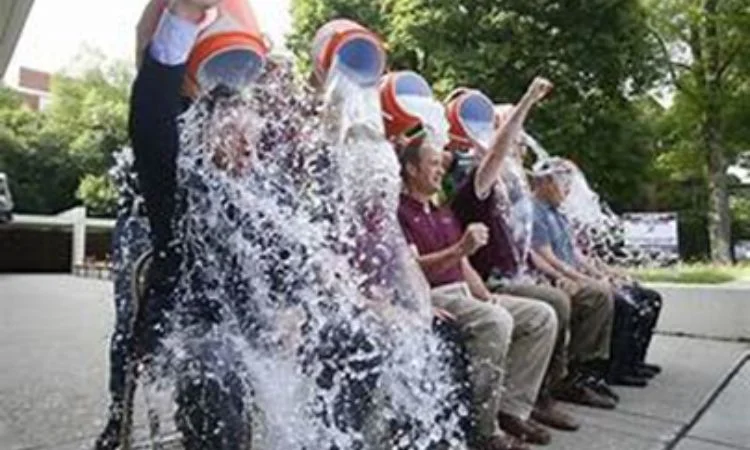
x: 591, y: 322
x: 512, y: 336
x: 560, y: 302
x: 585, y: 321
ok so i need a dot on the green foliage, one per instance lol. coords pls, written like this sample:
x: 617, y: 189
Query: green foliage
x: 9, y: 99
x: 704, y: 48
x: 740, y: 206
x: 40, y: 175
x: 597, y: 53
x: 47, y: 155
x: 88, y: 115
x: 98, y: 195
x: 693, y: 274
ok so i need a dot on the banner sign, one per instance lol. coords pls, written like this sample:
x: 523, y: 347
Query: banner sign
x: 652, y: 231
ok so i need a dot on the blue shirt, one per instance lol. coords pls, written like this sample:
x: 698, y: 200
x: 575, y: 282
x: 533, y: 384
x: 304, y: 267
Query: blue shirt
x: 551, y: 228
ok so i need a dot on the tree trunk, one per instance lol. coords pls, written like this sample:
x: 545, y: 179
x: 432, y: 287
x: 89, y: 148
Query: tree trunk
x: 719, y: 219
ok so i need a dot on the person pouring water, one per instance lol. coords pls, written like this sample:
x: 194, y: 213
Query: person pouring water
x: 180, y: 56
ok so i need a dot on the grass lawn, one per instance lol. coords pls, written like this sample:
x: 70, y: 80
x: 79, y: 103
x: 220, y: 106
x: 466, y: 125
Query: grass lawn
x: 699, y: 273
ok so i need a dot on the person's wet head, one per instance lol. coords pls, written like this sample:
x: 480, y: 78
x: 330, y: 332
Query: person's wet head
x: 228, y: 130
x: 551, y: 181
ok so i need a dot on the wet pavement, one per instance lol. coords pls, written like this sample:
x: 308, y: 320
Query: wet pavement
x: 54, y: 337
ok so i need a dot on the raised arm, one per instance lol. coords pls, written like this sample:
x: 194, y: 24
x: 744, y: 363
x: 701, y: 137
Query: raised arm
x: 489, y: 168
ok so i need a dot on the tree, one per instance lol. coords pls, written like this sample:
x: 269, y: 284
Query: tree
x: 98, y: 195
x: 41, y: 176
x: 66, y: 150
x: 705, y: 47
x: 597, y: 52
x: 88, y: 112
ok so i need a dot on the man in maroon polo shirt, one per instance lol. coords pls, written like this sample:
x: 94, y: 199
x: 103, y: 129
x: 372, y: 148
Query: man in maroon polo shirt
x: 502, y: 334
x: 477, y: 199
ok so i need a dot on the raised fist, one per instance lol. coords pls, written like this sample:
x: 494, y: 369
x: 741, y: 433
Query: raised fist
x: 539, y: 88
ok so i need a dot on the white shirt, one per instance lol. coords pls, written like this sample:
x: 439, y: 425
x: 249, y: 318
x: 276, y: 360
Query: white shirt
x: 173, y: 40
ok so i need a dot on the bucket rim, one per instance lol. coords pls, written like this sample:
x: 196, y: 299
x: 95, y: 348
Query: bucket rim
x: 392, y: 88
x: 209, y: 46
x: 459, y: 102
x: 337, y: 40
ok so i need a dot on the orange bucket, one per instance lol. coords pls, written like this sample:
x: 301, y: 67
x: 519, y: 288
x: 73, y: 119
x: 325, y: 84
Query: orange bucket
x: 230, y: 48
x: 400, y: 93
x: 471, y: 116
x: 359, y: 51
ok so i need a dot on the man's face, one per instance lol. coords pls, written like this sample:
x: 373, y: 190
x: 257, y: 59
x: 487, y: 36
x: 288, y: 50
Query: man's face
x: 550, y: 191
x: 427, y: 176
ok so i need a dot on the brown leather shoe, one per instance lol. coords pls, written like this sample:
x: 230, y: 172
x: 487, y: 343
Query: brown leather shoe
x: 581, y: 394
x: 525, y: 430
x: 501, y: 443
x: 552, y: 416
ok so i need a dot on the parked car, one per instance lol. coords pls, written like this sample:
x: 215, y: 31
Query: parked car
x: 6, y: 201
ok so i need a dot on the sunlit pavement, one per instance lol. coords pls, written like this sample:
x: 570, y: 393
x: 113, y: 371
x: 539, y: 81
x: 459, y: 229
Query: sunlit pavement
x: 54, y: 333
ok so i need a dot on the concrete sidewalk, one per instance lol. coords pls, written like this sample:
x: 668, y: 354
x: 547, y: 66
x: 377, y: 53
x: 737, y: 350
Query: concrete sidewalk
x: 719, y: 311
x: 54, y: 333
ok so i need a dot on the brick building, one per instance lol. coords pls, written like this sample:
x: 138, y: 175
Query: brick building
x: 34, y: 87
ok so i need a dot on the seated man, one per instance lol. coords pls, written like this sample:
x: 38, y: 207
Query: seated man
x: 477, y: 200
x: 637, y: 311
x: 559, y: 259
x: 501, y: 334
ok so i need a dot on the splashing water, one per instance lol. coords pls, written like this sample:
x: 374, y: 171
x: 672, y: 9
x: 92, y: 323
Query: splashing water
x: 480, y: 131
x: 518, y: 208
x: 535, y: 146
x: 431, y: 114
x: 596, y: 228
x: 299, y: 308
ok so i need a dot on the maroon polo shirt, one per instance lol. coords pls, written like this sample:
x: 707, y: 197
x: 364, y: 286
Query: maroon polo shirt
x: 431, y: 229
x: 498, y: 257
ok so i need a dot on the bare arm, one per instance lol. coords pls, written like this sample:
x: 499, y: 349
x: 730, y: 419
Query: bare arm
x: 489, y: 168
x: 589, y: 266
x: 443, y: 259
x: 570, y: 272
x: 546, y: 268
x: 475, y: 282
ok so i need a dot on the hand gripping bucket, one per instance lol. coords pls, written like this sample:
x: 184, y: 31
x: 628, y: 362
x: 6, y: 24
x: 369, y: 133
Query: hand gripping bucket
x: 472, y: 119
x: 400, y: 97
x: 359, y: 52
x: 230, y: 48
